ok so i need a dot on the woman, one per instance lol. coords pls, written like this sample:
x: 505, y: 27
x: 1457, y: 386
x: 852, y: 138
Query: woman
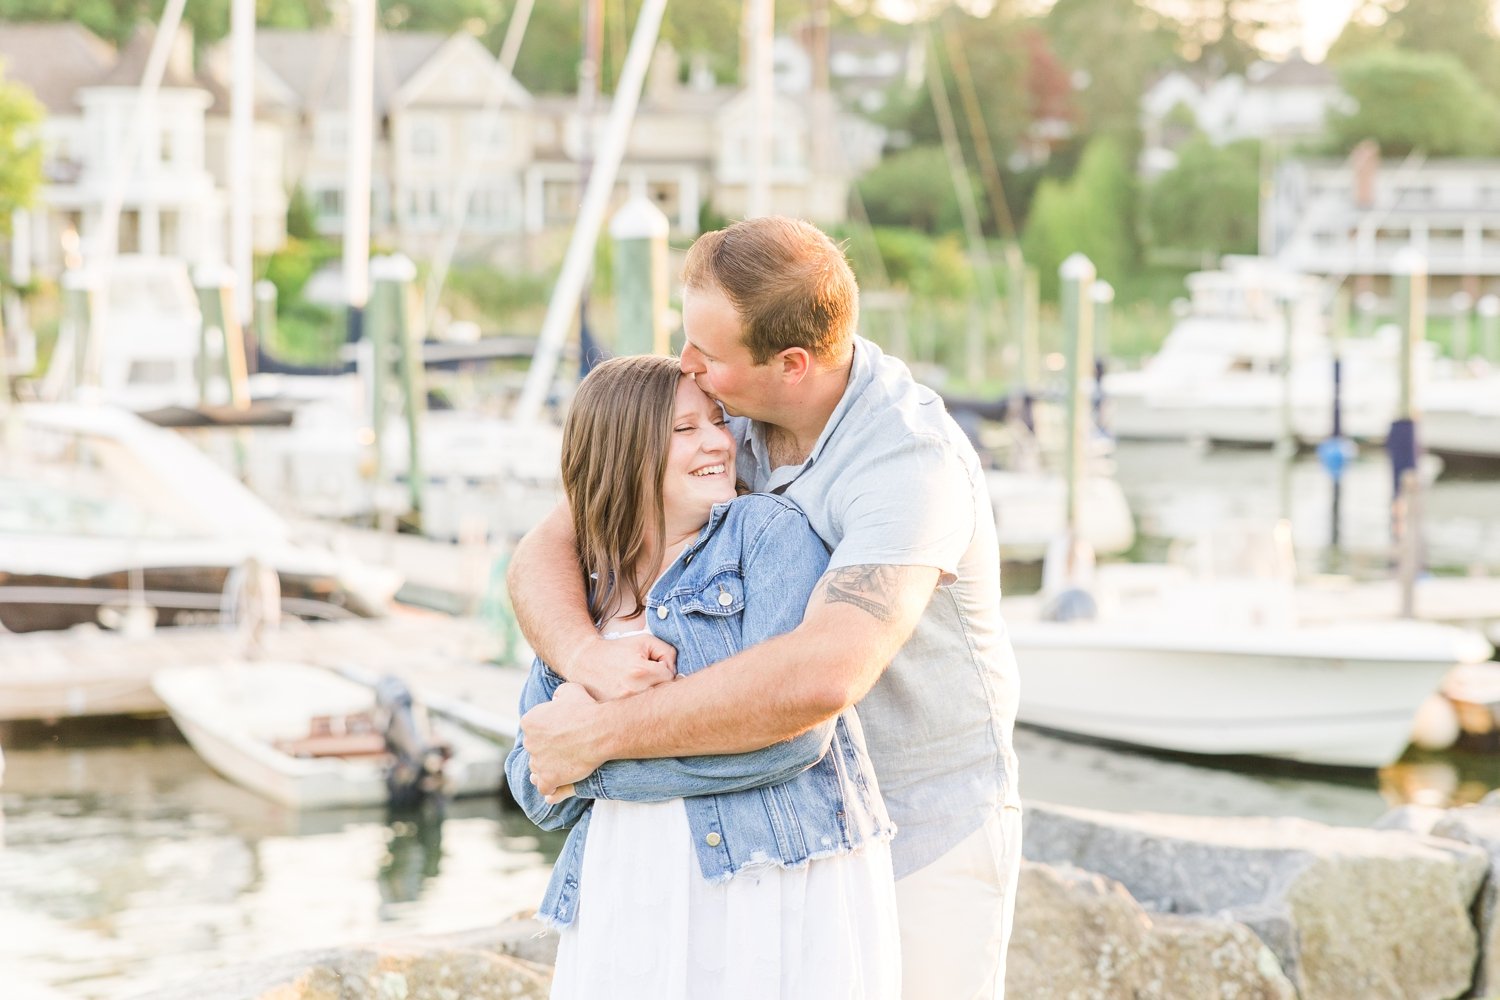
x: 755, y: 875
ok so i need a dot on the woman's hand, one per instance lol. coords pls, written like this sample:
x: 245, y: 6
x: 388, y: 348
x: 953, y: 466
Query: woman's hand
x: 557, y: 736
x: 617, y: 668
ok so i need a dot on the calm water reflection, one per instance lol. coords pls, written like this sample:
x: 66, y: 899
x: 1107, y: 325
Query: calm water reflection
x: 127, y: 863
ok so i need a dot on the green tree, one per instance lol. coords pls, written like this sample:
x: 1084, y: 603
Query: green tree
x: 115, y: 20
x: 1051, y: 232
x: 912, y: 188
x: 1210, y: 201
x: 300, y: 221
x: 1093, y: 212
x: 1415, y: 100
x: 1460, y: 28
x: 983, y: 56
x: 20, y: 152
x: 1112, y: 48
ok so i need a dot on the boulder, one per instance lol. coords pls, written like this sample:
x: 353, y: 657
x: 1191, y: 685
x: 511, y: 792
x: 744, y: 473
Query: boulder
x: 1479, y: 826
x: 508, y: 962
x: 1081, y: 936
x: 1412, y: 818
x: 1369, y: 913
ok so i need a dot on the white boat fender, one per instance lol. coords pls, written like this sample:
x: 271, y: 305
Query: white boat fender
x: 1436, y: 724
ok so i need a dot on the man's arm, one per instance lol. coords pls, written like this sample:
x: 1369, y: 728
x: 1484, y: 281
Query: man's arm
x: 856, y: 620
x: 546, y: 591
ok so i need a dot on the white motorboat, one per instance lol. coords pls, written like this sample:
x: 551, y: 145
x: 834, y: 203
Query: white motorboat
x: 145, y: 338
x: 481, y: 473
x: 1220, y: 373
x: 308, y: 738
x: 1460, y: 414
x: 107, y: 519
x: 1229, y: 665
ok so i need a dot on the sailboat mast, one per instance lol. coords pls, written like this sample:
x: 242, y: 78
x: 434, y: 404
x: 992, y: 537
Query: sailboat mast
x: 759, y: 21
x: 241, y: 121
x: 570, y: 281
x: 357, y: 177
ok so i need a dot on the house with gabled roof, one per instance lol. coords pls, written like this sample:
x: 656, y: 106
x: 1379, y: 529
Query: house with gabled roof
x: 165, y: 170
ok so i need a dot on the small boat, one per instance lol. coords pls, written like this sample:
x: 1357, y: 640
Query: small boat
x: 308, y: 738
x: 1161, y: 657
x: 109, y: 520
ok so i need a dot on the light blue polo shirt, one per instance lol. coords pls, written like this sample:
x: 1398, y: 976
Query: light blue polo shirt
x: 892, y: 480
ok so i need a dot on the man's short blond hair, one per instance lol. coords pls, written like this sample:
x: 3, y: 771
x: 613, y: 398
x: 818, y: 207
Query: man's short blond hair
x: 788, y: 281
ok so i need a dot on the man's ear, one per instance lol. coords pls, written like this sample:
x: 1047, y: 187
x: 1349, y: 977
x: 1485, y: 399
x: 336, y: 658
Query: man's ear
x: 795, y: 363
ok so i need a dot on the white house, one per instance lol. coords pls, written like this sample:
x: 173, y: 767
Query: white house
x: 167, y: 176
x: 1279, y: 101
x: 1351, y: 217
x: 690, y: 146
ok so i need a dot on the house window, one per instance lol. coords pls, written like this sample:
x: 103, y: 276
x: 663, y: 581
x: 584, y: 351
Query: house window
x: 487, y: 135
x: 329, y: 203
x: 424, y: 141
x: 330, y: 136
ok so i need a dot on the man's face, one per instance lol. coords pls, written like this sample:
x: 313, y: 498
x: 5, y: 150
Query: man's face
x: 714, y: 353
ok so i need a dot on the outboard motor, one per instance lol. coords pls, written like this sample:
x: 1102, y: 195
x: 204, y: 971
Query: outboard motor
x: 1067, y: 573
x: 416, y: 770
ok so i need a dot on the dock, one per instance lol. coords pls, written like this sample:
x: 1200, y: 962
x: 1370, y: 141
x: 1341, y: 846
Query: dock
x: 458, y: 667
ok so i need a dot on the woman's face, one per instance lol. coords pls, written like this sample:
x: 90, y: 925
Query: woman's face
x: 700, y: 459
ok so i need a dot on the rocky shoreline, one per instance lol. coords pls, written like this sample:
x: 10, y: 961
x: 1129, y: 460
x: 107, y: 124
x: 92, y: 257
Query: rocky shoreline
x: 1128, y: 906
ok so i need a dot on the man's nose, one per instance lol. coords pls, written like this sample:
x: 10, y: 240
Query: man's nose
x: 691, y: 361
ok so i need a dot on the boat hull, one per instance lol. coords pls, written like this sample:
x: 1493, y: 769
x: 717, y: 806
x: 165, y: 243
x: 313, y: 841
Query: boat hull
x: 1323, y: 696
x: 234, y: 715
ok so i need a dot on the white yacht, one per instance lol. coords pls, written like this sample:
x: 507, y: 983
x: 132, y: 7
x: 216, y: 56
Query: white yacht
x: 1221, y: 373
x: 107, y: 519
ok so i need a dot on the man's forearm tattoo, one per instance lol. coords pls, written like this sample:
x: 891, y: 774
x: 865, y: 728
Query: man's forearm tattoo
x: 869, y: 588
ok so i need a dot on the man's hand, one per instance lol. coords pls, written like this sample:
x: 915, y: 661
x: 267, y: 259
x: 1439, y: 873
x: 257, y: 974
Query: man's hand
x: 617, y: 668
x: 559, y: 736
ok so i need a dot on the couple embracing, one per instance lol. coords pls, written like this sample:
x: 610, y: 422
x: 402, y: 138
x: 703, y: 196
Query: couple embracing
x: 739, y: 828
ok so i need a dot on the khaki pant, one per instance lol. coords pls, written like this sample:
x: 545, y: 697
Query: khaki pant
x: 956, y: 914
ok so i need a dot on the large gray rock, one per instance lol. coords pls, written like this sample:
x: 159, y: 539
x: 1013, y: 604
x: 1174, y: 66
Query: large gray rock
x: 508, y: 962
x: 1480, y: 826
x: 1079, y: 936
x: 1348, y: 913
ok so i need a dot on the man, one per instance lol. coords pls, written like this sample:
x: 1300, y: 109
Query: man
x: 905, y: 622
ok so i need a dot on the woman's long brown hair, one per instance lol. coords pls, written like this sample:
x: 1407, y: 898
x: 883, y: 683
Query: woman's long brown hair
x: 614, y: 457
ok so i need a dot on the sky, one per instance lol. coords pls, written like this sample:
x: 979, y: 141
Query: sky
x: 1322, y: 20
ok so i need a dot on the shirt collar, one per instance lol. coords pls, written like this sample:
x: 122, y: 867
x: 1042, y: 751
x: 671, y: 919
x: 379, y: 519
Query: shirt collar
x: 861, y: 373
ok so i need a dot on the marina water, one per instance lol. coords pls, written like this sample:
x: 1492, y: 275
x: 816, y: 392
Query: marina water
x: 126, y: 863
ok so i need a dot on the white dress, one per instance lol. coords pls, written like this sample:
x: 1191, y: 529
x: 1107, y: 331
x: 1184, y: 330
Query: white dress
x: 650, y: 927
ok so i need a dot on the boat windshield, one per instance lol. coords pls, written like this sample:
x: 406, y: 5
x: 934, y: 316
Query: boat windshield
x: 61, y: 483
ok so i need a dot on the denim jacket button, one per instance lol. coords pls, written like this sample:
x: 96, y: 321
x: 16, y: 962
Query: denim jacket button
x: 661, y: 612
x: 713, y: 840
x: 725, y: 600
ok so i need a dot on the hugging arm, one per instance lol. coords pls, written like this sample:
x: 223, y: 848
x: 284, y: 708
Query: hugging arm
x: 541, y: 684
x: 546, y: 591
x: 780, y: 570
x: 899, y: 543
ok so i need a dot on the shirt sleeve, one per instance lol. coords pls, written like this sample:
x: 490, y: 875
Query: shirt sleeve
x: 913, y: 505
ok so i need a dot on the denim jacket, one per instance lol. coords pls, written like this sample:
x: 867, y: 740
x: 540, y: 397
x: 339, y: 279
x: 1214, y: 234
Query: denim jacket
x: 746, y: 578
